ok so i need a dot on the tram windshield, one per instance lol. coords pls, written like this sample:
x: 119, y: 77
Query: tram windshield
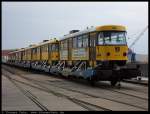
x: 112, y: 37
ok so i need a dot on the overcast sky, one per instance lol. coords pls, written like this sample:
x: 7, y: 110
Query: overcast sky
x: 25, y: 23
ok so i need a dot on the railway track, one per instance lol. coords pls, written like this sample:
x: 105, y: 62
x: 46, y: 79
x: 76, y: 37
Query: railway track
x: 79, y: 102
x: 129, y: 93
x: 136, y: 82
x: 85, y: 105
x: 28, y: 94
x: 94, y: 96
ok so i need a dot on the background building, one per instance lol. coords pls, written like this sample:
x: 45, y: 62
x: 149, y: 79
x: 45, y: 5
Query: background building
x: 5, y: 54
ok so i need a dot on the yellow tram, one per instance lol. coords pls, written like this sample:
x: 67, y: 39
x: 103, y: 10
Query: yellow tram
x: 95, y: 45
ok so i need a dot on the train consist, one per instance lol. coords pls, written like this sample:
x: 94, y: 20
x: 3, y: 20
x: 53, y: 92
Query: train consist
x: 95, y: 54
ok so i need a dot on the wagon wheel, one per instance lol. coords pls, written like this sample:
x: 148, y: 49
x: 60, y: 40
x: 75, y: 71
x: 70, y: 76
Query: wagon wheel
x: 70, y: 77
x: 113, y: 82
x: 91, y: 81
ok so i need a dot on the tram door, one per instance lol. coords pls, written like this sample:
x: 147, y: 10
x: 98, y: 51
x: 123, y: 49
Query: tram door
x: 92, y: 52
x: 70, y: 48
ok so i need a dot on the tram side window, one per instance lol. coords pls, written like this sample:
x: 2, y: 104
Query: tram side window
x: 27, y: 52
x: 85, y: 40
x: 100, y: 38
x: 42, y: 49
x: 16, y: 55
x: 61, y: 45
x: 64, y: 44
x: 49, y: 46
x: 75, y: 42
x: 46, y: 48
x: 54, y: 47
x: 38, y: 50
x: 80, y: 43
x: 23, y: 53
x: 34, y: 50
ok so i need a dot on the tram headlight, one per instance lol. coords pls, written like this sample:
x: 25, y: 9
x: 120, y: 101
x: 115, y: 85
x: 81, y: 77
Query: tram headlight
x: 108, y: 54
x: 124, y: 54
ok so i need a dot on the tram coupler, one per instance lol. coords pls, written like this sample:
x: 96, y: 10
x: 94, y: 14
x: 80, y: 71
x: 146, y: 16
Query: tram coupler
x: 130, y: 72
x: 116, y: 74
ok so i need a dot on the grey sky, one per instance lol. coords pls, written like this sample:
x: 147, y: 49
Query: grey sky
x: 25, y: 23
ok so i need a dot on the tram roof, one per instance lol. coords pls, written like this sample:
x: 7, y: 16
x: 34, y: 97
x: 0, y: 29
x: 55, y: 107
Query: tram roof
x: 35, y: 45
x: 97, y: 28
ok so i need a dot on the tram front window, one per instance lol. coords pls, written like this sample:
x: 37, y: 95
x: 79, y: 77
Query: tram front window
x: 112, y: 38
